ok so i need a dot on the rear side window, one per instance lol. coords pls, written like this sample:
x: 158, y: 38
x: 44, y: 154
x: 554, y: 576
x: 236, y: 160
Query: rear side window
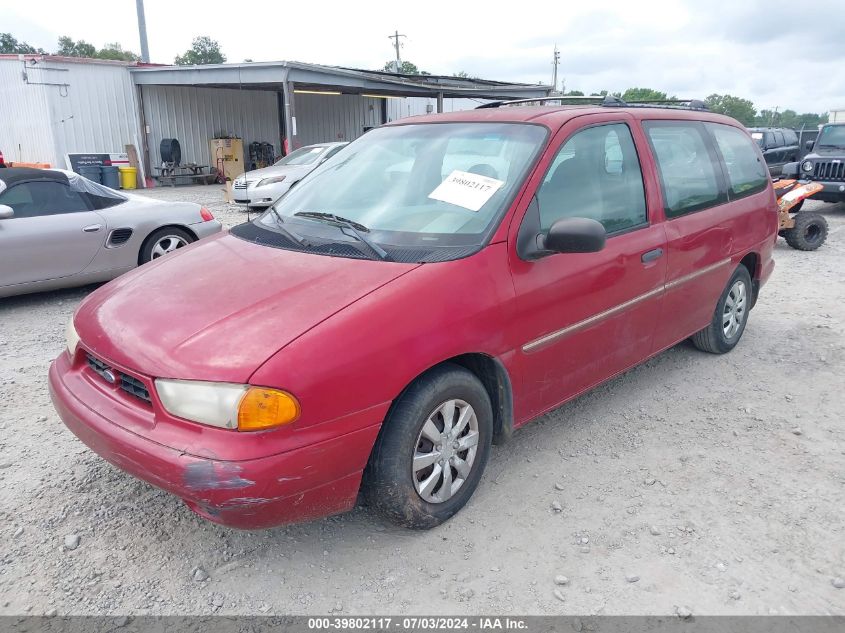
x: 688, y: 172
x: 746, y: 172
x: 596, y: 174
x: 790, y: 137
x: 779, y: 139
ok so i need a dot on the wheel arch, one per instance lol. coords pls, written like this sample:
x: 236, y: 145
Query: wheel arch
x: 751, y: 261
x: 496, y: 381
x: 181, y: 227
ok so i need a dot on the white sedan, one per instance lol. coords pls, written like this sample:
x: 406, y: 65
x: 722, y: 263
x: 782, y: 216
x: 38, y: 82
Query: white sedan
x: 262, y: 187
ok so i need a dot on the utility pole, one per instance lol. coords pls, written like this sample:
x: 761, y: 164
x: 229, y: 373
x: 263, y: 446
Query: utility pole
x: 395, y: 37
x: 555, y: 63
x: 142, y: 31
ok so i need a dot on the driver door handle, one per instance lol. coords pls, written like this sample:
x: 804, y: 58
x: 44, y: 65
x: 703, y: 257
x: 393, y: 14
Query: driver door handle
x: 650, y: 256
x: 93, y: 228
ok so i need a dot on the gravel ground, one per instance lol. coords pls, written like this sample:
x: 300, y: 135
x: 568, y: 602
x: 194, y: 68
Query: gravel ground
x: 713, y: 484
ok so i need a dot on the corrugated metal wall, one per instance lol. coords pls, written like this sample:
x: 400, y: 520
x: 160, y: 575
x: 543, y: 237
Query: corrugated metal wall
x: 98, y: 111
x: 195, y: 115
x: 25, y: 133
x: 414, y: 106
x: 95, y: 112
x: 330, y: 118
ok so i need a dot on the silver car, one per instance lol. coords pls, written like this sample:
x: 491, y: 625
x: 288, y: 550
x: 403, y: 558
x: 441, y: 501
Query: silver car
x: 262, y: 187
x: 58, y: 229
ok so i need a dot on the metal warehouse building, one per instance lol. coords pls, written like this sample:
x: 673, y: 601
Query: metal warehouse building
x: 51, y: 106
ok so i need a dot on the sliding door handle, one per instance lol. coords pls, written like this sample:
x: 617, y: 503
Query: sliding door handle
x: 651, y: 255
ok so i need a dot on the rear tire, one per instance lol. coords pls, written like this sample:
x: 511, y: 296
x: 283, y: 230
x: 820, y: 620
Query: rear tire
x: 809, y: 232
x: 163, y: 241
x: 420, y: 474
x: 729, y: 317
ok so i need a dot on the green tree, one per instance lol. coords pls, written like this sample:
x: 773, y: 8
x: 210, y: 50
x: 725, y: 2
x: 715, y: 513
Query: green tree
x: 407, y: 68
x: 461, y: 74
x: 742, y: 110
x: 204, y: 50
x: 69, y: 48
x: 115, y: 51
x: 10, y: 44
x: 644, y: 94
x: 573, y: 93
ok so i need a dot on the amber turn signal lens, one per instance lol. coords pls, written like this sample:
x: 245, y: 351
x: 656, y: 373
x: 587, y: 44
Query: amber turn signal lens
x: 261, y: 409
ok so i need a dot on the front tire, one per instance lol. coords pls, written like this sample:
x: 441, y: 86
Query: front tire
x: 432, y: 449
x: 162, y: 242
x: 729, y: 317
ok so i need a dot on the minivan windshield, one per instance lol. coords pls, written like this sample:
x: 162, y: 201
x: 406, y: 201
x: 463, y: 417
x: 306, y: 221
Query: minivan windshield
x: 832, y: 136
x: 301, y: 156
x: 423, y: 186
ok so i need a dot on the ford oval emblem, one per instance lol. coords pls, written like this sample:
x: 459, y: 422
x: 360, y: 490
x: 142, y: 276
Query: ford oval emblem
x: 108, y: 374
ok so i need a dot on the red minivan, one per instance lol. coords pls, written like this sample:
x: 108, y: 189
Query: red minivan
x: 438, y: 283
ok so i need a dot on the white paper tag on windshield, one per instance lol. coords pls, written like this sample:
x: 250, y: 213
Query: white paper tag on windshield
x: 470, y: 191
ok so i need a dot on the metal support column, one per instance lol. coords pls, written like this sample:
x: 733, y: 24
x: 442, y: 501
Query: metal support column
x: 290, y: 116
x: 439, y: 102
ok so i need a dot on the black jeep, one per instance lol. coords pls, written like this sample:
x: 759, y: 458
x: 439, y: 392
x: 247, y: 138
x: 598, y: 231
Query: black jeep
x: 825, y: 163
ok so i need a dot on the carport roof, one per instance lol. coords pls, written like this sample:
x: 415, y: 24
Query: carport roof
x: 273, y: 75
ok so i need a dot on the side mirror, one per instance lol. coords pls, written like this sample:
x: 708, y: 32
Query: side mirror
x: 809, y: 144
x: 575, y: 235
x: 790, y: 170
x: 6, y: 212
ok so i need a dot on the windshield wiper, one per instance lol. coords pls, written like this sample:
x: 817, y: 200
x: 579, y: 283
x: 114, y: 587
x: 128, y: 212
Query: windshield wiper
x: 357, y: 229
x: 296, y: 237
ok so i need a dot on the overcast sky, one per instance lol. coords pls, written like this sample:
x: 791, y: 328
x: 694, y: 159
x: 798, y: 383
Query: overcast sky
x: 774, y: 52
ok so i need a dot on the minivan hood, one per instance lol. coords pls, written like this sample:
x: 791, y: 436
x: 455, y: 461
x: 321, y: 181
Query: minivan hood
x: 218, y: 309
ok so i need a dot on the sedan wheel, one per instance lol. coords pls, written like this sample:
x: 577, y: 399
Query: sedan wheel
x: 162, y: 242
x: 167, y: 244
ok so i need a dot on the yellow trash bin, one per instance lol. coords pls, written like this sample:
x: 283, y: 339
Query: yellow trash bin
x: 128, y: 177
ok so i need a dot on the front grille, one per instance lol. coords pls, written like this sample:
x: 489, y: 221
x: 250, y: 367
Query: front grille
x: 135, y: 387
x: 129, y: 384
x: 829, y: 170
x: 98, y: 366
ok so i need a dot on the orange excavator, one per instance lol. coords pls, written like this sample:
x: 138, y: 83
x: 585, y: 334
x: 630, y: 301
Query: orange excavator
x: 805, y: 231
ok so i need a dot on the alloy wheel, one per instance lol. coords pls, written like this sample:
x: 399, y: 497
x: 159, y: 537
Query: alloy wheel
x: 167, y: 244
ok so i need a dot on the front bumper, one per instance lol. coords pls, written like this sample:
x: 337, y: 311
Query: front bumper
x: 260, y: 196
x: 307, y: 483
x: 834, y: 190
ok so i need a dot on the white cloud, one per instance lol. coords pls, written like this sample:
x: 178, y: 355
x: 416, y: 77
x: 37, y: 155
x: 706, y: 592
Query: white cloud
x: 762, y: 50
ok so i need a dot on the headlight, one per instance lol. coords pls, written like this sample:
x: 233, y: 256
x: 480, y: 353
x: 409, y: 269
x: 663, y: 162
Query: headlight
x: 227, y: 405
x: 807, y: 166
x: 270, y: 181
x: 71, y: 337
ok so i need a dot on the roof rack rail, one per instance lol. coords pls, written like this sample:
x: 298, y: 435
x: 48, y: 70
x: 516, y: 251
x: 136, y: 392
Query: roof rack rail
x: 607, y: 101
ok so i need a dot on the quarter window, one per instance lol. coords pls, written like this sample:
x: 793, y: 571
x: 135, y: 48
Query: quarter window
x: 31, y: 199
x: 746, y: 172
x: 687, y: 171
x: 596, y: 174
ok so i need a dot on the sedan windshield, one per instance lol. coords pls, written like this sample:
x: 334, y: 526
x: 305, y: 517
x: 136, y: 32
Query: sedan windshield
x: 832, y: 136
x: 439, y: 189
x: 302, y: 156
